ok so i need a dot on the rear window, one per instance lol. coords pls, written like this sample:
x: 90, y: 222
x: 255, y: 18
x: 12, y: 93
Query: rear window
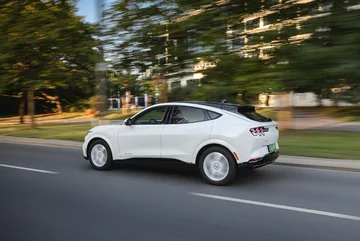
x: 250, y: 113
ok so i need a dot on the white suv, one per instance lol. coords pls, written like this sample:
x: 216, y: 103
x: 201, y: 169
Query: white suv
x: 217, y: 137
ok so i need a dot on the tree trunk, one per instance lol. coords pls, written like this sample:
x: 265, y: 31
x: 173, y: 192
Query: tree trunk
x: 31, y: 107
x: 319, y: 99
x: 244, y: 96
x: 163, y: 92
x: 56, y: 99
x: 267, y: 100
x: 21, y: 108
x: 58, y: 105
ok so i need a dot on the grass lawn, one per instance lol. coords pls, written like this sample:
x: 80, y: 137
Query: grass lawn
x: 61, y: 132
x: 75, y: 116
x: 341, y: 113
x: 312, y: 143
x: 267, y: 112
x: 118, y: 115
x: 351, y: 113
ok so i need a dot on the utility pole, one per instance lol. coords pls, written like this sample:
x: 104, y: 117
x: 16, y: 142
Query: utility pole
x: 100, y: 66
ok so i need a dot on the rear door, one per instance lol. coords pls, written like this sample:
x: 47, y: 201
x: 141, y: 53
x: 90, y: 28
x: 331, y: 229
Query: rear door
x: 187, y: 128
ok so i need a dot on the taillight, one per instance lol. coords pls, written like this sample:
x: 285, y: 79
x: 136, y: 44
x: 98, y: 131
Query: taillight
x: 258, y: 131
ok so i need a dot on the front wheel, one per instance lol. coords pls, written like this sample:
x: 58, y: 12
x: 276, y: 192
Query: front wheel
x: 217, y: 166
x: 100, y: 156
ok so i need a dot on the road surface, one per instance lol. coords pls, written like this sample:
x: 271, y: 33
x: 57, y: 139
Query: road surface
x: 49, y: 193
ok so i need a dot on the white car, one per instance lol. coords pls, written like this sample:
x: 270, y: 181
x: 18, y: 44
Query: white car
x: 217, y: 137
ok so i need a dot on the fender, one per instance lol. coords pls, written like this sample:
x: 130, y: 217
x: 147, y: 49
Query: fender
x: 113, y: 149
x: 210, y: 142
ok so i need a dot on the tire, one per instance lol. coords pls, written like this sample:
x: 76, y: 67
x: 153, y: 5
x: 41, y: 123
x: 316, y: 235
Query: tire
x: 218, y: 166
x: 100, y: 156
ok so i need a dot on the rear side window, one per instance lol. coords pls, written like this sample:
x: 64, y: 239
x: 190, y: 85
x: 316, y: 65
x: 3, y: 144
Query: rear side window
x: 250, y: 113
x: 184, y: 114
x: 213, y: 115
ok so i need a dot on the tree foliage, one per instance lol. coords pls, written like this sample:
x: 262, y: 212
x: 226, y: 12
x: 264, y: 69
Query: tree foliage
x: 309, y: 45
x: 329, y: 57
x: 45, y: 46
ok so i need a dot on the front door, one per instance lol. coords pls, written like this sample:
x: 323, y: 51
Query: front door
x: 142, y: 137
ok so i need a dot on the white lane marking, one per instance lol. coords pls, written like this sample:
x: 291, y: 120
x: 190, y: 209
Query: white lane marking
x: 28, y: 169
x: 271, y: 205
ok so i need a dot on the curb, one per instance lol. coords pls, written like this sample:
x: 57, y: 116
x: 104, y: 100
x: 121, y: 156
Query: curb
x: 283, y: 160
x: 319, y: 163
x: 331, y: 168
x: 41, y: 142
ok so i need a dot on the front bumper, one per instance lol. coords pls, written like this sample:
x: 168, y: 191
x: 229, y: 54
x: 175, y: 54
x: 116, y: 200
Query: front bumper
x: 267, y: 159
x: 84, y: 149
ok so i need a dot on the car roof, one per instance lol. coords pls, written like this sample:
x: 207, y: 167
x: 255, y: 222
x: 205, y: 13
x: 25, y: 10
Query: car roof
x: 222, y: 106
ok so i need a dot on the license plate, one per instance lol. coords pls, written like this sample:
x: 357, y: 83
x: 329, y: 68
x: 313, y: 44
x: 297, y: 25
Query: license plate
x: 272, y: 147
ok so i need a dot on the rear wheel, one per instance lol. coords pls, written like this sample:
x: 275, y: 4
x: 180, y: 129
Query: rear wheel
x: 100, y: 156
x: 217, y: 166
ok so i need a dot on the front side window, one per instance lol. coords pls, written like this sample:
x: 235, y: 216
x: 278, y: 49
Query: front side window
x: 183, y: 115
x: 154, y: 116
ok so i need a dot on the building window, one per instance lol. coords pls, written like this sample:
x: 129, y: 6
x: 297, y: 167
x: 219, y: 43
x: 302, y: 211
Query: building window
x: 175, y: 84
x: 238, y: 43
x: 192, y: 82
x: 252, y: 24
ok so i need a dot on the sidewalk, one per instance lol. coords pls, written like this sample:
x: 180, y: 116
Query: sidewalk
x: 311, y: 162
x: 325, y: 124
x: 322, y: 163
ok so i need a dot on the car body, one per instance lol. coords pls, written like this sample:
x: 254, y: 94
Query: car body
x: 235, y: 135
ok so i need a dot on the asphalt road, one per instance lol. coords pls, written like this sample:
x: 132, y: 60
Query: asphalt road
x: 152, y: 200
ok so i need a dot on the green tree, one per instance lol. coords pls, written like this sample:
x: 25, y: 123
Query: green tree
x: 44, y: 46
x: 329, y: 56
x: 120, y: 83
x: 135, y: 33
x: 175, y: 35
x: 309, y: 45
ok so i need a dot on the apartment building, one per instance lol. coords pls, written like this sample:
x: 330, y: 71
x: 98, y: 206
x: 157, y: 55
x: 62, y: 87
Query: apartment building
x: 243, y: 37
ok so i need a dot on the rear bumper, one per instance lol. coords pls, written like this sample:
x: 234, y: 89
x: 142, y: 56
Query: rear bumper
x: 267, y: 159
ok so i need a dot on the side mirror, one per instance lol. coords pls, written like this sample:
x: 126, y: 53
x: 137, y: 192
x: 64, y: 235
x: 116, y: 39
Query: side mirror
x: 128, y: 122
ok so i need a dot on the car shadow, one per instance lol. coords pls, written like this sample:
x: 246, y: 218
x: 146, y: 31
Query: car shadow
x: 170, y: 169
x: 177, y: 170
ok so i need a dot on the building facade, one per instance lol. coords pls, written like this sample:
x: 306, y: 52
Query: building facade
x: 243, y: 37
